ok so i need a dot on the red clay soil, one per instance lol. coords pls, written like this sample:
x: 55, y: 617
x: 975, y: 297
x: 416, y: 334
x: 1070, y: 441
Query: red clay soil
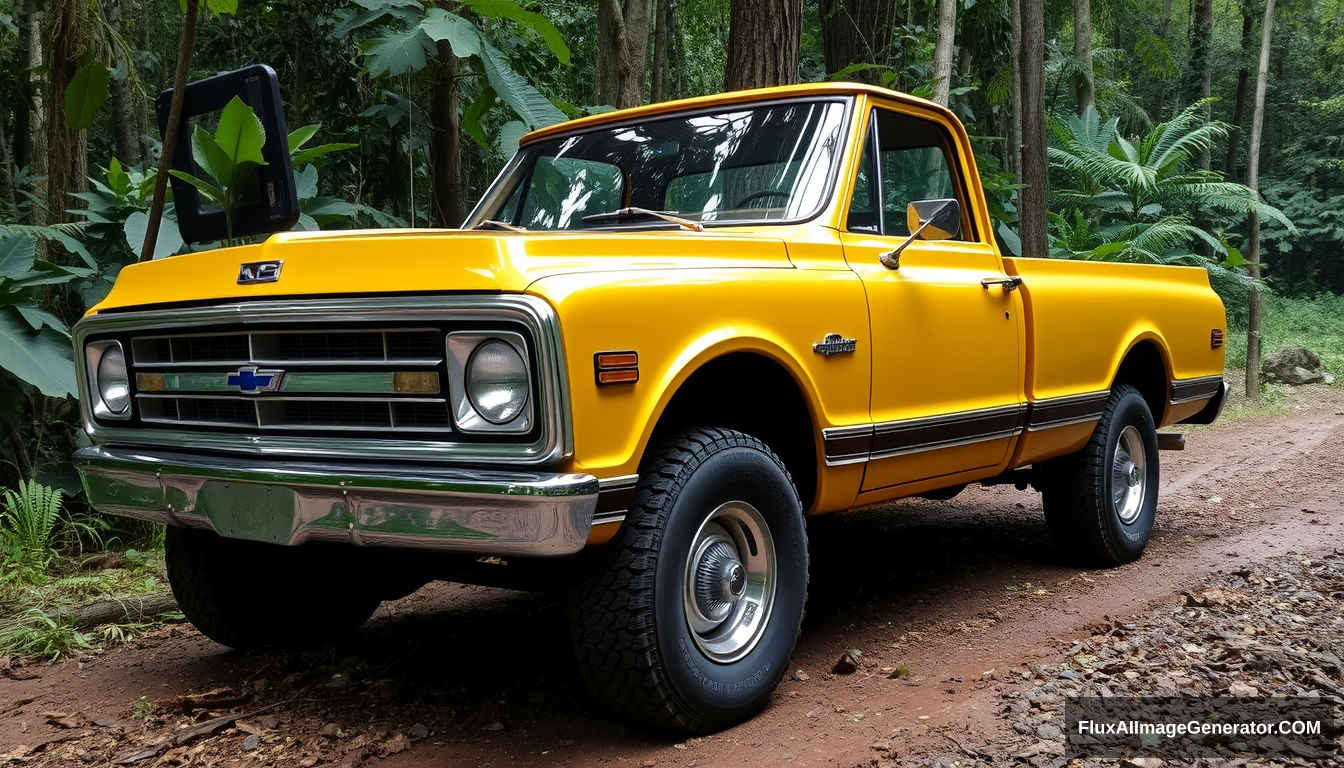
x: 963, y: 594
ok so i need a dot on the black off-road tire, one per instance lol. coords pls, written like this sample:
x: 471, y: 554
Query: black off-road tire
x: 1087, y: 524
x: 628, y: 610
x: 247, y: 594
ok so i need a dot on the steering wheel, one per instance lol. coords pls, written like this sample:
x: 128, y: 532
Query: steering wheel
x: 784, y: 196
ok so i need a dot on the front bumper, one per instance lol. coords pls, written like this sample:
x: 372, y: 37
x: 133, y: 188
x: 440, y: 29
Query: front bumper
x: 288, y: 502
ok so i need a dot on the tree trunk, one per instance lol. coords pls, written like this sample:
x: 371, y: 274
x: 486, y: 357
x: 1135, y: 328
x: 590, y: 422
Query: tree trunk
x: 448, y: 193
x: 765, y: 41
x: 1015, y: 128
x: 186, y: 45
x: 623, y: 45
x: 1162, y: 27
x: 1033, y: 224
x: 1084, y: 84
x: 1199, y: 78
x: 23, y: 112
x: 125, y: 610
x: 944, y: 49
x: 67, y: 32
x: 1253, y: 222
x: 1243, y: 81
x: 36, y: 146
x: 857, y: 32
x: 664, y: 37
x: 7, y: 195
x: 124, y: 105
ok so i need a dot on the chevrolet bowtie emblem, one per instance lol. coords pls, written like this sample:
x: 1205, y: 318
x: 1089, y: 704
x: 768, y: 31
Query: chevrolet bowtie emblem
x: 834, y: 344
x: 251, y: 380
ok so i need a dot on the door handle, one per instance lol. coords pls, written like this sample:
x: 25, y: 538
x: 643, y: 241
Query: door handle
x: 1009, y: 283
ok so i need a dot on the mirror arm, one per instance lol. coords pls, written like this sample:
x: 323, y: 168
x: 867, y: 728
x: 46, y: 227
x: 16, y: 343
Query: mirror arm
x: 892, y: 259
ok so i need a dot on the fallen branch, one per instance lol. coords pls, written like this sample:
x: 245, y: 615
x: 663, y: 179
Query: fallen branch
x: 123, y: 610
x: 208, y: 728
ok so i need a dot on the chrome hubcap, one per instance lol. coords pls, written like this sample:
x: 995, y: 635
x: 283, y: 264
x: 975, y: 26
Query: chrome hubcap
x: 730, y: 581
x: 1127, y: 476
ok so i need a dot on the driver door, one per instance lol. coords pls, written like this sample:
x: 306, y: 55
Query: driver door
x: 947, y: 383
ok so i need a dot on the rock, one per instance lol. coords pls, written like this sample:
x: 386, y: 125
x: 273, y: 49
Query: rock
x: 1242, y: 689
x: 419, y: 731
x: 1049, y: 731
x: 331, y: 730
x: 848, y: 662
x: 252, y: 742
x: 801, y: 676
x: 1293, y: 365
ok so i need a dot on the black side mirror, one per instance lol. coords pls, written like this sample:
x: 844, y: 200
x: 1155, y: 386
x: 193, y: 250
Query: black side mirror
x: 275, y: 206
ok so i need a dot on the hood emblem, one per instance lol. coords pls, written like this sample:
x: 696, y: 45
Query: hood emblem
x: 251, y: 380
x: 259, y: 271
x: 834, y: 344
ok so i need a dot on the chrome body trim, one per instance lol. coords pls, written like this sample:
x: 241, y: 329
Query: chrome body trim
x: 1201, y: 388
x: 431, y: 508
x: 1212, y: 409
x: 1066, y: 411
x: 551, y: 400
x: 614, y: 498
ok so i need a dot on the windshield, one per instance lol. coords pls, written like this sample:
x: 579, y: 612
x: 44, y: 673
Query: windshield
x: 772, y: 163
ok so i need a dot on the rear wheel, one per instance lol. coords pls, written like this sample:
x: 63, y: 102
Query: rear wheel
x: 688, y: 618
x: 247, y: 594
x: 1101, y: 502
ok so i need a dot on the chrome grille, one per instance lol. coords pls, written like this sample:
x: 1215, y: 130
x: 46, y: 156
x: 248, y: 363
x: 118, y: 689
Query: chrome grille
x: 297, y: 381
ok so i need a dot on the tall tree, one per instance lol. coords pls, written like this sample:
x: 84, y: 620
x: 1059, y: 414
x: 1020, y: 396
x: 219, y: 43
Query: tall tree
x: 1243, y: 82
x: 1253, y: 220
x: 765, y: 43
x: 1033, y: 205
x: 1015, y: 126
x: 623, y: 46
x: 68, y: 35
x: 857, y: 32
x: 124, y: 107
x: 943, y: 50
x: 1084, y: 83
x: 664, y: 52
x: 1201, y: 60
x: 448, y: 189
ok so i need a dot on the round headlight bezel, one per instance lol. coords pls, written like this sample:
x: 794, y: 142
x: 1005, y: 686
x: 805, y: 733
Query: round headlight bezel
x: 111, y: 381
x: 475, y: 396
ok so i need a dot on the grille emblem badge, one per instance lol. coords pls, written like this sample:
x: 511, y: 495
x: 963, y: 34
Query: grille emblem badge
x: 251, y: 380
x: 259, y: 271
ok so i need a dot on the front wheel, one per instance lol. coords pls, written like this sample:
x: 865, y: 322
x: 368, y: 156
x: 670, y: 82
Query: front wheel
x: 1101, y: 502
x: 687, y: 620
x: 248, y: 594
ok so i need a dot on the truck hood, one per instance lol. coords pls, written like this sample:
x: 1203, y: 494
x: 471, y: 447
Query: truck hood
x: 426, y: 261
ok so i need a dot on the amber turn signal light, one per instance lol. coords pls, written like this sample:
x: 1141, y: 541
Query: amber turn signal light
x: 149, y: 382
x: 1216, y: 338
x: 416, y: 382
x: 616, y: 367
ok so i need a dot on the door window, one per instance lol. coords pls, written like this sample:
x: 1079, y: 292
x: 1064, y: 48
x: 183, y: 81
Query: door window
x: 905, y: 159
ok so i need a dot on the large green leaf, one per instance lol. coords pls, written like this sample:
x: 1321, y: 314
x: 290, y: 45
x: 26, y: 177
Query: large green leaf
x: 213, y: 6
x: 16, y: 255
x: 312, y: 153
x: 473, y: 119
x: 167, y: 243
x: 300, y: 136
x: 462, y: 35
x: 305, y: 183
x: 86, y: 94
x: 204, y: 187
x: 534, y: 109
x: 507, y: 9
x: 209, y: 156
x: 509, y: 136
x: 41, y: 358
x: 38, y: 317
x: 240, y: 134
x: 396, y: 53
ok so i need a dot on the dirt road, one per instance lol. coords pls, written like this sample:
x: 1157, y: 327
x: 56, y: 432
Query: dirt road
x: 958, y: 600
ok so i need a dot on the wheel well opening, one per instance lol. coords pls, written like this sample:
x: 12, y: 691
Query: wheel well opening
x: 754, y: 395
x: 1145, y: 370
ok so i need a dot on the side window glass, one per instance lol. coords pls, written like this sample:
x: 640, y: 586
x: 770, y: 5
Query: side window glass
x: 912, y: 161
x: 562, y: 191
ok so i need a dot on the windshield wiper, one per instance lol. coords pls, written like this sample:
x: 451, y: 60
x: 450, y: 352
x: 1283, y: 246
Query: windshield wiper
x: 492, y: 224
x: 623, y: 213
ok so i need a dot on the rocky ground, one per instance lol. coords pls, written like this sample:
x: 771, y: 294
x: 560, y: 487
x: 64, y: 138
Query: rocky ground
x: 963, y: 634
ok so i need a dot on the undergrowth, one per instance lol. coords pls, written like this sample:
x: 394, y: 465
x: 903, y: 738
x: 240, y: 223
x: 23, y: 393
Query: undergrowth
x: 1316, y: 324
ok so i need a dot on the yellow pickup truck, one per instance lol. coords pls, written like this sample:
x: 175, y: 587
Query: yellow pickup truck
x: 664, y: 337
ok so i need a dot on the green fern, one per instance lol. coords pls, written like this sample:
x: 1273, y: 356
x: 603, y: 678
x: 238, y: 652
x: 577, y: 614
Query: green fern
x: 30, y: 519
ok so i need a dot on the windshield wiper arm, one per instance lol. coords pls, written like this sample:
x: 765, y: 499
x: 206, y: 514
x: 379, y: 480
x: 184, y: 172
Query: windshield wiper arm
x: 492, y: 224
x: 622, y: 213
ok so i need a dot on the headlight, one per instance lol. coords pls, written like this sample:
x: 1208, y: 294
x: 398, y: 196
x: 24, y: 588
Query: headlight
x: 490, y: 382
x: 111, y: 384
x: 497, y: 382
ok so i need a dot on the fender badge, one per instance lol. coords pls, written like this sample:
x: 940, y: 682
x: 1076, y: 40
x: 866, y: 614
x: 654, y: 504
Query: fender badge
x: 259, y: 271
x: 834, y: 344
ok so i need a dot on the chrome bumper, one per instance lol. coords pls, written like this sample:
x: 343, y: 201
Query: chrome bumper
x: 432, y: 508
